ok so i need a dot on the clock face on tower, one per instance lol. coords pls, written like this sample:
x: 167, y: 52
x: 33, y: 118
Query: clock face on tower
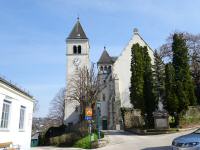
x: 76, y: 62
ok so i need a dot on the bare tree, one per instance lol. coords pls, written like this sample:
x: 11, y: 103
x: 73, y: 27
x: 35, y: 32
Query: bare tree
x: 57, y: 108
x: 83, y: 88
x: 193, y: 44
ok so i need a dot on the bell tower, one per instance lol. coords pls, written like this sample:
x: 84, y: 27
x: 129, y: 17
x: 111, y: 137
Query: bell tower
x: 77, y: 53
x: 77, y: 49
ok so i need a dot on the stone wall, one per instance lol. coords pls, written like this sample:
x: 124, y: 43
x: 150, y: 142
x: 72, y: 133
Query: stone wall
x: 132, y: 118
x: 191, y: 116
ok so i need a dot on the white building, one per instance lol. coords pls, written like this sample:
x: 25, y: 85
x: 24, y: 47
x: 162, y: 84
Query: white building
x: 114, y: 73
x: 16, y: 108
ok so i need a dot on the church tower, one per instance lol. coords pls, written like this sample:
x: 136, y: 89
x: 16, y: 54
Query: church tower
x: 77, y: 54
x: 77, y: 49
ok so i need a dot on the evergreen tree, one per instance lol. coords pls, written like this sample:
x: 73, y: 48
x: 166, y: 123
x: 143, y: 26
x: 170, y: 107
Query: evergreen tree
x: 141, y: 89
x: 183, y: 81
x: 137, y: 80
x: 170, y: 101
x: 149, y: 99
x: 159, y: 77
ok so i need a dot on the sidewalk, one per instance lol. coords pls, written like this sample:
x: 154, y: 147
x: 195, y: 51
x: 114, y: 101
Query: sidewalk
x: 54, y: 148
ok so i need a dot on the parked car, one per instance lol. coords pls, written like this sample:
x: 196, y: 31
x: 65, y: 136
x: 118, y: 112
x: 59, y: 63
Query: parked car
x: 187, y: 142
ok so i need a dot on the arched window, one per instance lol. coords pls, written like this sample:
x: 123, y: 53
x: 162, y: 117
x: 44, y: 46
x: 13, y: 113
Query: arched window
x: 101, y: 68
x: 79, y: 49
x: 105, y: 69
x: 109, y: 69
x: 74, y: 49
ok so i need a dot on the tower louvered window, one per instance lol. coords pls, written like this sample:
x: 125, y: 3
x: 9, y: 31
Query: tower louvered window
x: 74, y: 49
x: 79, y: 49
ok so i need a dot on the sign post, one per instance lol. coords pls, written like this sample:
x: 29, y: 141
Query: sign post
x: 90, y: 132
x: 88, y: 116
x: 98, y: 118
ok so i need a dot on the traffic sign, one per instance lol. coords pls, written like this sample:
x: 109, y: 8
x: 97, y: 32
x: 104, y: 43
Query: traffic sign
x: 88, y: 118
x: 88, y: 111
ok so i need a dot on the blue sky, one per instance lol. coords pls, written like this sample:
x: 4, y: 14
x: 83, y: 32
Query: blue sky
x: 33, y: 33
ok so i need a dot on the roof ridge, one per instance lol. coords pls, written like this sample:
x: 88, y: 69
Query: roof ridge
x: 8, y: 83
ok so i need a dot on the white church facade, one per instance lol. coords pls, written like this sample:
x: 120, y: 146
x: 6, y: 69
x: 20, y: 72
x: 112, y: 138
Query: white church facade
x: 113, y: 72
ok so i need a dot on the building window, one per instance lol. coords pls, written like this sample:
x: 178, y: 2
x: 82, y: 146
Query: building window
x: 101, y: 68
x: 109, y: 69
x: 22, y: 116
x: 5, y: 114
x: 74, y: 49
x: 79, y: 49
x: 105, y: 69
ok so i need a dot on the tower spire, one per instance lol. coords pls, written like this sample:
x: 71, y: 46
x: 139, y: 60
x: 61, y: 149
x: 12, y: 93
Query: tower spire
x: 77, y: 32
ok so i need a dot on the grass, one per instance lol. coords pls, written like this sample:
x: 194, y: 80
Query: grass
x: 85, y: 142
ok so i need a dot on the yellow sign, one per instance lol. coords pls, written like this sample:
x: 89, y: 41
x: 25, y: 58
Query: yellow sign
x: 88, y: 112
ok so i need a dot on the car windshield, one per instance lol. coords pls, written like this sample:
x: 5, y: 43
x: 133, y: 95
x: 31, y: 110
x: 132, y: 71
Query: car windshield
x: 197, y: 131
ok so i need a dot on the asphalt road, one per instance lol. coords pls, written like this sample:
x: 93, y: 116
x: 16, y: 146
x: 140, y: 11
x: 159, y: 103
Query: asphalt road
x: 120, y: 140
x: 126, y: 141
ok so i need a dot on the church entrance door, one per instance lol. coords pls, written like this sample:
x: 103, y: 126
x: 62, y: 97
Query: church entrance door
x: 105, y: 125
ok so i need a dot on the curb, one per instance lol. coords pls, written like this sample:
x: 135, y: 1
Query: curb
x: 187, y: 129
x: 144, y: 132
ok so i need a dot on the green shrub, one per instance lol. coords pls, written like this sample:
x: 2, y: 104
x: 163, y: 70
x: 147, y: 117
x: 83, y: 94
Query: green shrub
x: 41, y: 139
x: 78, y: 132
x: 85, y: 142
x: 189, y: 120
x: 65, y: 139
x: 54, y: 141
x: 101, y: 134
x: 83, y: 131
x: 75, y: 139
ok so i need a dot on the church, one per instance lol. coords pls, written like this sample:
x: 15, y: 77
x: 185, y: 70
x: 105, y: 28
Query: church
x: 114, y: 72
